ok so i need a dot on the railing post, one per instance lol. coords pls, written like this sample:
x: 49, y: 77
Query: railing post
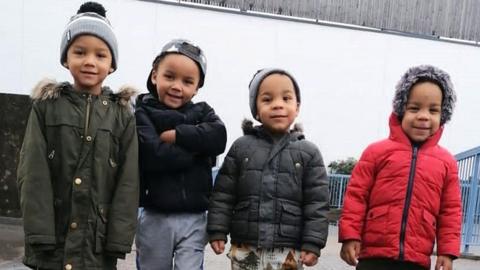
x: 472, y: 202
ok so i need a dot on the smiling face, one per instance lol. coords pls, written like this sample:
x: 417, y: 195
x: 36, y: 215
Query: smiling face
x: 277, y: 105
x: 176, y: 78
x: 90, y: 61
x: 422, y: 111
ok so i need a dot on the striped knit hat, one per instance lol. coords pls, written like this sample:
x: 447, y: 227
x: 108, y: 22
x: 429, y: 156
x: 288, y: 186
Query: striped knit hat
x: 90, y: 20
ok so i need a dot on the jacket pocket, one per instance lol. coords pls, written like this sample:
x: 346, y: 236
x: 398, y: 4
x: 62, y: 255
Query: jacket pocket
x: 427, y: 233
x: 290, y: 221
x: 240, y: 219
x: 101, y: 228
x: 376, y: 226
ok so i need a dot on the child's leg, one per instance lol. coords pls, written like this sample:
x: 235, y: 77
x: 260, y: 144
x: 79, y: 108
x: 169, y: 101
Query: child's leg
x: 387, y: 264
x: 190, y: 239
x: 281, y: 259
x: 154, y: 241
x: 245, y: 257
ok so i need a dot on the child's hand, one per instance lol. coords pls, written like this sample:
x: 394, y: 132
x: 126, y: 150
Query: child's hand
x: 444, y: 263
x: 218, y: 246
x: 308, y: 258
x: 168, y: 136
x: 350, y: 251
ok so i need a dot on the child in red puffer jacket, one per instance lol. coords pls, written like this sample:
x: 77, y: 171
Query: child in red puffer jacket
x: 404, y: 193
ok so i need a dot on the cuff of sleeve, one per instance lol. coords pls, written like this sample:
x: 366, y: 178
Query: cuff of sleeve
x: 217, y: 236
x: 41, y: 240
x: 312, y: 248
x: 117, y: 248
x: 113, y: 254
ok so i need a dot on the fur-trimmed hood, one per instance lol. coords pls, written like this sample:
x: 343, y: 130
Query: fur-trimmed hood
x: 427, y: 73
x: 249, y: 129
x: 51, y: 89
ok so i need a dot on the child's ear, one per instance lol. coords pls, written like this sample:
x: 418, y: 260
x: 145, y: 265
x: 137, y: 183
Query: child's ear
x: 65, y: 65
x: 111, y: 70
x: 153, y: 77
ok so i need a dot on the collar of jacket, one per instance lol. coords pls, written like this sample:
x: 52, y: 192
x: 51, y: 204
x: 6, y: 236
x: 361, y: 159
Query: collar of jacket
x: 149, y: 100
x: 249, y: 129
x: 397, y: 134
x: 50, y: 89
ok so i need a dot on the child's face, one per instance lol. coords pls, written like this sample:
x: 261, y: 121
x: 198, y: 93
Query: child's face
x: 277, y: 105
x: 422, y: 111
x: 90, y: 61
x: 176, y: 79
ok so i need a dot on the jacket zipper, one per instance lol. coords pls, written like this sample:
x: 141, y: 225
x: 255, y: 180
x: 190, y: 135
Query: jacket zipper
x: 184, y: 192
x: 408, y: 199
x: 87, y: 116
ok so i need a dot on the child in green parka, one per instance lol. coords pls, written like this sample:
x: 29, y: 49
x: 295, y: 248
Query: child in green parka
x: 78, y: 168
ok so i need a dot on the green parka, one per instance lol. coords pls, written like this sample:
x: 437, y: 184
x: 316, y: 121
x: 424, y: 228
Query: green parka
x: 78, y: 178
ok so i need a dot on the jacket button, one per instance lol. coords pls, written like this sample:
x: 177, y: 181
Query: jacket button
x: 298, y: 165
x: 246, y: 159
x: 78, y: 181
x: 105, y: 102
x: 89, y: 138
x: 73, y: 225
x: 68, y: 267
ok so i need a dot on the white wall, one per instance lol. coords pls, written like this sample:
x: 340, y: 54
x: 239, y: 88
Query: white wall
x: 347, y: 77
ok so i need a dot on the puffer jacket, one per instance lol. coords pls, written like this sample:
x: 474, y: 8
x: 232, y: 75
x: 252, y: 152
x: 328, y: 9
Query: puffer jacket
x: 78, y: 178
x: 177, y: 177
x: 401, y: 197
x: 271, y: 194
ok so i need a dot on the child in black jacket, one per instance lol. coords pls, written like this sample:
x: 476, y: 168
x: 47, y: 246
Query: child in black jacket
x: 178, y: 143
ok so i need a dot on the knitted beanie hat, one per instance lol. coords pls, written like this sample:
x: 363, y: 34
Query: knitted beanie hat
x: 90, y: 20
x: 184, y: 47
x: 425, y: 73
x: 257, y: 80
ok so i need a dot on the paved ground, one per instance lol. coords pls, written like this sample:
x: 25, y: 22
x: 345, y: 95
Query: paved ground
x: 11, y: 248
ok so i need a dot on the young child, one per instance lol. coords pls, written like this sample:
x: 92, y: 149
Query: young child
x: 271, y: 193
x: 78, y: 169
x: 404, y: 192
x: 179, y: 141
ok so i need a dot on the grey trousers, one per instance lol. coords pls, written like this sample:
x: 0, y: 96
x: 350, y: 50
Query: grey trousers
x: 170, y: 241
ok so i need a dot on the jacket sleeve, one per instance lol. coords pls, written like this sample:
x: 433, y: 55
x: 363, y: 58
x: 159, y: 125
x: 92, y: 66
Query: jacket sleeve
x: 356, y: 198
x: 34, y: 184
x: 449, y: 220
x: 223, y: 198
x: 208, y: 137
x: 315, y: 204
x: 122, y: 218
x: 157, y: 155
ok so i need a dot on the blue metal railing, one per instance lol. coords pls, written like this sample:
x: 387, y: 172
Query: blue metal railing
x: 468, y: 172
x: 337, y: 185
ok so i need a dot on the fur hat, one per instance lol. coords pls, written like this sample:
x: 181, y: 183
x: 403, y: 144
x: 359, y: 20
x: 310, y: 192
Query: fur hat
x: 425, y: 73
x: 184, y: 47
x: 257, y: 80
x: 90, y: 20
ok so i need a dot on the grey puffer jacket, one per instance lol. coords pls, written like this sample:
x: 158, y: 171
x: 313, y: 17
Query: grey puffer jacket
x: 271, y: 194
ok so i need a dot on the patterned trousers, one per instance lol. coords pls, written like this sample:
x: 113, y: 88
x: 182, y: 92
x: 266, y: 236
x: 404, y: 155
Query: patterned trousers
x: 245, y: 257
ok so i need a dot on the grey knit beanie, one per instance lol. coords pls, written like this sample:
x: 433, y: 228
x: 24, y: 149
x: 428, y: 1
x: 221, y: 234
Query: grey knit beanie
x: 89, y: 21
x: 257, y: 80
x: 425, y: 73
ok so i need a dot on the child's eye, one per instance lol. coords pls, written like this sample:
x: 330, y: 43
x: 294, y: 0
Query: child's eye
x: 101, y: 55
x: 287, y: 98
x: 265, y: 99
x: 435, y: 110
x: 78, y: 52
x: 168, y: 76
x: 189, y: 82
x: 412, y: 109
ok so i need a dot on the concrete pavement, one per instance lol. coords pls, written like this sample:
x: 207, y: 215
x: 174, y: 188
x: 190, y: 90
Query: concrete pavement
x: 11, y: 250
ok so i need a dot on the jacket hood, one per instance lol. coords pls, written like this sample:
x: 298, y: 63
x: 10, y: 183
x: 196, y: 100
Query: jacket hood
x: 425, y: 73
x: 51, y: 89
x: 249, y: 129
x: 397, y: 133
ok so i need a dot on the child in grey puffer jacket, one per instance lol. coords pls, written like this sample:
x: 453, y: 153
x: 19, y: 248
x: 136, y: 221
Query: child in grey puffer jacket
x: 271, y: 193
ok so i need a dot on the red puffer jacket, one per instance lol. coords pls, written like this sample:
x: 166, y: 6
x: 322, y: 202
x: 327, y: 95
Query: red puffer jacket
x: 401, y: 197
